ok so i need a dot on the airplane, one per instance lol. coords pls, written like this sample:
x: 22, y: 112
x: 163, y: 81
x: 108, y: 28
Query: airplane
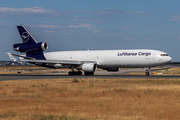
x: 87, y: 61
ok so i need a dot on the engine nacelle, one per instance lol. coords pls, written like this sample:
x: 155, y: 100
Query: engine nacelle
x: 89, y: 67
x: 112, y: 69
x: 23, y: 47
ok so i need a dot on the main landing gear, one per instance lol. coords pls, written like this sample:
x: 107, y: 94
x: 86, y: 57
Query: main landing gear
x: 79, y: 73
x: 74, y: 73
x: 89, y: 73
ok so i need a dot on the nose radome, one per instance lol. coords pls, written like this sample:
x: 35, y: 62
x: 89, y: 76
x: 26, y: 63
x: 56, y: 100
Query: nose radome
x: 170, y: 59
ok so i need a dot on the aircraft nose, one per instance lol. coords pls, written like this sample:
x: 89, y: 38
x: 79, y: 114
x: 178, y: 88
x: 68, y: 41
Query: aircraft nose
x: 166, y: 59
x: 170, y: 59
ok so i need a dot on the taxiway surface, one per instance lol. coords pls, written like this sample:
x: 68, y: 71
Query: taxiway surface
x: 98, y: 74
x: 4, y: 77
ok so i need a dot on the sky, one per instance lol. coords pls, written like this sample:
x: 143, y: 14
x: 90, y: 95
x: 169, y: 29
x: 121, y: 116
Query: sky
x: 93, y: 24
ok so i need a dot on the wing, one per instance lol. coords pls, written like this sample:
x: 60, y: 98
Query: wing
x: 65, y: 62
x: 51, y: 63
x: 34, y: 61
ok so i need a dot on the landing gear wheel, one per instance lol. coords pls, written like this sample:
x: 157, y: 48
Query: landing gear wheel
x: 89, y: 73
x: 70, y: 73
x: 147, y: 73
x: 79, y: 73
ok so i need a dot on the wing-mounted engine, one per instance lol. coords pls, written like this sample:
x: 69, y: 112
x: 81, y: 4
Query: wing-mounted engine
x: 88, y: 67
x: 24, y: 47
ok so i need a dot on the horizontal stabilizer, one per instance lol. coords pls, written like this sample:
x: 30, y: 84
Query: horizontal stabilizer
x: 23, y: 56
x: 11, y: 56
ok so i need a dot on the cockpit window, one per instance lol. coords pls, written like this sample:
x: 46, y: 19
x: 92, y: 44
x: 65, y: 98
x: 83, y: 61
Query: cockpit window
x: 164, y: 55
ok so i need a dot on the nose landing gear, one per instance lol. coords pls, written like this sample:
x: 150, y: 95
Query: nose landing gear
x: 147, y: 71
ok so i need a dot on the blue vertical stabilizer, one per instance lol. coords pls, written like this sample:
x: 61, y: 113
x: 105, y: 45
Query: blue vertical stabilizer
x: 26, y: 36
x: 30, y: 46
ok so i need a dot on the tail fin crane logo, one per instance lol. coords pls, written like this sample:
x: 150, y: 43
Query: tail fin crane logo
x: 25, y: 36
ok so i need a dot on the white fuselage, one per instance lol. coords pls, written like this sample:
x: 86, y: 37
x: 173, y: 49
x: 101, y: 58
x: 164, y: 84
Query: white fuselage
x: 114, y: 58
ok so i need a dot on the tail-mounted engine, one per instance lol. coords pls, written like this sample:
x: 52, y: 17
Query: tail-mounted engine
x: 23, y: 47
